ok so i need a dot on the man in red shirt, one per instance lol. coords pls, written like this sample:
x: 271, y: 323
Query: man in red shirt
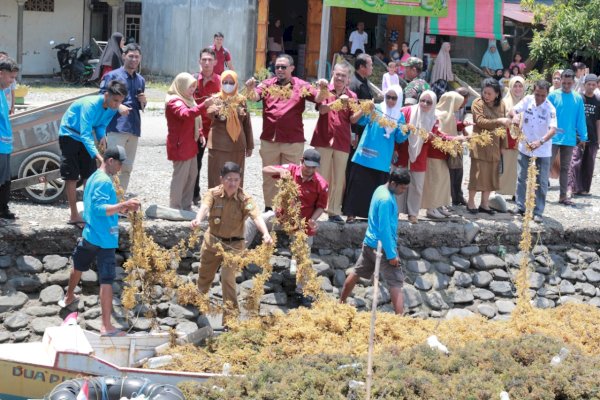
x: 284, y: 98
x: 332, y: 140
x: 312, y: 191
x: 222, y: 54
x: 209, y: 83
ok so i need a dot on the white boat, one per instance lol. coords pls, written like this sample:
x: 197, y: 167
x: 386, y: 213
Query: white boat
x: 31, y: 370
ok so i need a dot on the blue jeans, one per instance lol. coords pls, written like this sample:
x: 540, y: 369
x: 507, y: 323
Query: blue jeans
x: 543, y: 165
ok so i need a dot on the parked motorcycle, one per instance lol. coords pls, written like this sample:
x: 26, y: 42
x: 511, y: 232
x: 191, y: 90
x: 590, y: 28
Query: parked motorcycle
x: 75, y: 67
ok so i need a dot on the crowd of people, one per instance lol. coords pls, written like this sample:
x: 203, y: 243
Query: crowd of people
x: 370, y: 159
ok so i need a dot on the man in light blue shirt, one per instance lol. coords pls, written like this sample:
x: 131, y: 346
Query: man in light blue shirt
x: 76, y: 140
x: 100, y: 237
x: 8, y: 72
x: 572, y: 128
x: 383, y: 227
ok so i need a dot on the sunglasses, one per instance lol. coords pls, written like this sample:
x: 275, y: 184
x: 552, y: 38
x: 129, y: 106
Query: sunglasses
x: 391, y: 97
x: 428, y: 102
x: 283, y: 67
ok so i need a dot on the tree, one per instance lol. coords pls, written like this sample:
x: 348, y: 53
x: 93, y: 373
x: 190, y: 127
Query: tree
x: 565, y: 30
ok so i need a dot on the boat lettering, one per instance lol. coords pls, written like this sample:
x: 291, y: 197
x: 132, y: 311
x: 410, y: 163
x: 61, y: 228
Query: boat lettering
x: 35, y: 375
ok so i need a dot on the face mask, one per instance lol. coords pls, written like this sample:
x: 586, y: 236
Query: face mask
x: 228, y: 88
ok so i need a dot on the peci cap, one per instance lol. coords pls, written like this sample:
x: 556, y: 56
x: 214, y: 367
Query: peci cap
x: 311, y: 158
x: 590, y: 78
x: 413, y: 62
x: 116, y: 153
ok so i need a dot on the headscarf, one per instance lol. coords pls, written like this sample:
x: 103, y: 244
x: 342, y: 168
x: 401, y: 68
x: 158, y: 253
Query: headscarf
x: 176, y: 91
x: 394, y: 112
x: 449, y: 104
x: 420, y: 120
x: 492, y: 60
x: 510, y: 100
x: 111, y: 56
x: 442, y: 68
x: 232, y: 125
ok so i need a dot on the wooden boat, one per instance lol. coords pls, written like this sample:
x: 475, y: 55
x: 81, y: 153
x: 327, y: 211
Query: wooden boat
x: 31, y: 370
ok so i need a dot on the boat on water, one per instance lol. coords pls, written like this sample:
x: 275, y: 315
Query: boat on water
x: 31, y: 370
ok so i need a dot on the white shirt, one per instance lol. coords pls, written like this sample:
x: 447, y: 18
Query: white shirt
x: 537, y: 120
x: 358, y: 41
x: 389, y: 80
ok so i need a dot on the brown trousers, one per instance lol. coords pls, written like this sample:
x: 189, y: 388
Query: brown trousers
x: 274, y: 153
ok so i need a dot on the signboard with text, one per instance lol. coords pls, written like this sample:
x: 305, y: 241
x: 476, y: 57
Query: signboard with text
x: 417, y: 8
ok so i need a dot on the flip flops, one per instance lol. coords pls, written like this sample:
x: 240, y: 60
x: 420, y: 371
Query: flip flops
x: 566, y: 202
x: 114, y: 333
x: 64, y: 304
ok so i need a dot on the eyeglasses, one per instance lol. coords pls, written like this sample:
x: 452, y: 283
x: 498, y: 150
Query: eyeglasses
x: 428, y: 102
x: 556, y: 78
x: 283, y: 67
x: 391, y: 97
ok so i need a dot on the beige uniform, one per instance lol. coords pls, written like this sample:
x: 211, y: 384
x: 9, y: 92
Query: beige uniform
x: 226, y: 218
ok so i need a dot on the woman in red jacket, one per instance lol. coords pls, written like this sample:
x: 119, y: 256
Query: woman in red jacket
x: 184, y: 125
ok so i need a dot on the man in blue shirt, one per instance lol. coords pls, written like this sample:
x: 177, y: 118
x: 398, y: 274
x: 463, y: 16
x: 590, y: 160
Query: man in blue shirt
x: 382, y: 226
x: 100, y: 236
x: 76, y: 140
x: 8, y: 72
x: 125, y: 127
x: 572, y: 129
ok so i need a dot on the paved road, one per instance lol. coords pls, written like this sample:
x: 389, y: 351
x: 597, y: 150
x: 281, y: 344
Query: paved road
x: 152, y: 172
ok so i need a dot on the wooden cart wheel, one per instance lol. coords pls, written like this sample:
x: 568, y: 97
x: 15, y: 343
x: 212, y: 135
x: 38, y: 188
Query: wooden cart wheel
x: 44, y: 192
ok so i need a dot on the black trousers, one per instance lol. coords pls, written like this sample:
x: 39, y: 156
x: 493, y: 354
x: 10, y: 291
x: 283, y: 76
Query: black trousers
x: 456, y: 177
x: 4, y: 196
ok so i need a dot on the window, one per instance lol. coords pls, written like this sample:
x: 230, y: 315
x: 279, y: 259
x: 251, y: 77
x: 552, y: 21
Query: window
x: 39, y: 5
x: 132, y: 28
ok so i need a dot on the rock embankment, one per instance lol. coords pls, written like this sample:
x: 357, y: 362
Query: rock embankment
x: 441, y: 282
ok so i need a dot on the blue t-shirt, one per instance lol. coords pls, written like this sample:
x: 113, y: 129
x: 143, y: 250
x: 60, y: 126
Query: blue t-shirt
x: 135, y: 84
x: 83, y: 116
x: 6, y: 137
x: 570, y: 116
x: 383, y: 222
x: 100, y: 229
x: 376, y: 146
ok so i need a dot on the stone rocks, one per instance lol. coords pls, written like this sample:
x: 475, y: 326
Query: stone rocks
x: 486, y: 310
x: 505, y: 306
x: 501, y: 288
x: 462, y: 279
x: 412, y: 298
x: 17, y: 320
x: 536, y: 280
x: 483, y: 294
x: 486, y: 262
x: 12, y: 301
x: 469, y: 251
x: 566, y: 287
x: 422, y: 284
x: 432, y: 254
x: 39, y: 325
x: 25, y: 284
x: 53, y: 263
x: 30, y: 265
x: 435, y: 301
x: 462, y: 296
x: 420, y: 266
x: 459, y: 313
x: 460, y: 263
x: 180, y: 312
x: 407, y: 253
x: 51, y: 294
x: 277, y: 299
x: 592, y: 276
x: 482, y: 279
x: 5, y: 262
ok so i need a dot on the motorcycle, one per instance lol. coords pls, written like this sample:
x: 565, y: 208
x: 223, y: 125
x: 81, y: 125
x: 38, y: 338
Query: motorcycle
x: 75, y: 67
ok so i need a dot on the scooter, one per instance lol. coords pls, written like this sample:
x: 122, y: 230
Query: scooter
x: 75, y: 67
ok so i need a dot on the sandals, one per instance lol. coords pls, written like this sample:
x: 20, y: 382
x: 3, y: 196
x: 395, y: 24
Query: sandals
x: 114, y: 333
x: 64, y: 304
x: 566, y: 202
x: 486, y: 210
x: 78, y: 224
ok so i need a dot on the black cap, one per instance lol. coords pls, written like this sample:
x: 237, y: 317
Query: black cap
x: 116, y: 153
x: 311, y: 158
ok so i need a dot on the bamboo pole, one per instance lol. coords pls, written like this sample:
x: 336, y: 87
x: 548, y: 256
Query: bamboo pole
x: 373, y: 318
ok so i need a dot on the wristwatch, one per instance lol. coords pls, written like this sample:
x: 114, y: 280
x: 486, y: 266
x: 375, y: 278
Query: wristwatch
x: 542, y: 141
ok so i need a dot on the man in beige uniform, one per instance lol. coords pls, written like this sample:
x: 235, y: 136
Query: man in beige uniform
x: 227, y: 207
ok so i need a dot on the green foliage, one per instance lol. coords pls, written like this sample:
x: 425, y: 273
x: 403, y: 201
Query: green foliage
x: 478, y: 371
x: 565, y: 29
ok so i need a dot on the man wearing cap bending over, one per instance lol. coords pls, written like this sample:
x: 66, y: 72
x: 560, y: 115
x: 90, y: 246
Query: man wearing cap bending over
x: 312, y: 189
x: 413, y: 68
x: 100, y: 236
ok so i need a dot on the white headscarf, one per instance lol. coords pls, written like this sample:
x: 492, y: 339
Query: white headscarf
x: 394, y: 112
x: 442, y: 68
x: 420, y: 120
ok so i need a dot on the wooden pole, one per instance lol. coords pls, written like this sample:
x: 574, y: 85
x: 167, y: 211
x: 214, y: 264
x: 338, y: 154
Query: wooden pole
x: 373, y: 318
